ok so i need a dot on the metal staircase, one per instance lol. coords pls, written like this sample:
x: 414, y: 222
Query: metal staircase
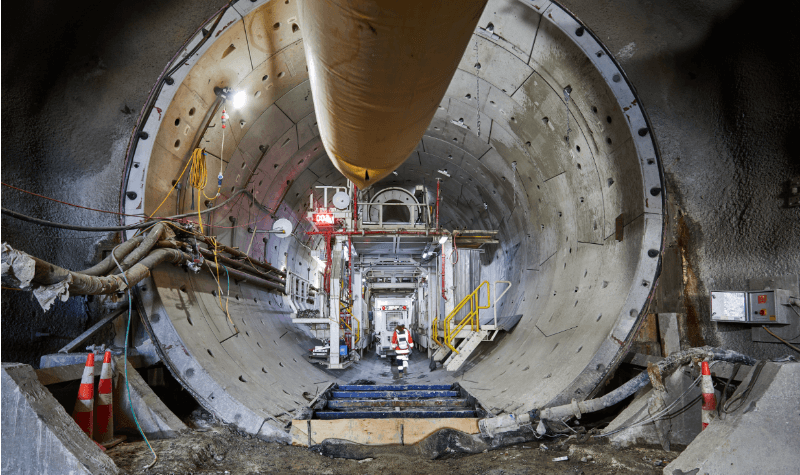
x: 415, y: 401
x: 460, y: 339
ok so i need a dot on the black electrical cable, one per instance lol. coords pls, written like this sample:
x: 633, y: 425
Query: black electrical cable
x: 143, y: 224
x: 742, y: 396
x: 724, y: 394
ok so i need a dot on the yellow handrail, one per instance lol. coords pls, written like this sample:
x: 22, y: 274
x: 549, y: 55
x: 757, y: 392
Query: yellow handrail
x: 473, y: 317
x: 358, y: 327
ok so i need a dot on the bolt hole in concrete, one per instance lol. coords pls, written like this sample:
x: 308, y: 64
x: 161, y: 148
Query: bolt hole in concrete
x: 177, y: 121
x: 210, y: 353
x: 241, y: 378
x: 616, y: 78
x: 477, y: 65
x: 276, y: 26
x: 655, y: 191
x: 652, y: 253
x: 230, y: 49
x: 579, y: 31
x: 191, y: 111
x: 177, y: 143
x: 295, y: 28
x: 643, y: 131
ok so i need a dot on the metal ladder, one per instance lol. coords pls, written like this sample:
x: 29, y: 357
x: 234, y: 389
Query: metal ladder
x: 469, y: 329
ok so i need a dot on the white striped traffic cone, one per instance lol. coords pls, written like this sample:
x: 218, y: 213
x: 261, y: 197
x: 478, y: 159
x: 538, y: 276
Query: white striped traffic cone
x: 85, y: 403
x: 709, y: 399
x: 104, y: 415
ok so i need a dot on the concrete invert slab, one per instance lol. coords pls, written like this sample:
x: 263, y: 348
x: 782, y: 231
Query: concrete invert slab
x: 38, y: 435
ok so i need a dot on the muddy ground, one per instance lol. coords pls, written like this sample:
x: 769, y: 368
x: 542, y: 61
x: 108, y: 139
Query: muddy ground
x: 219, y: 450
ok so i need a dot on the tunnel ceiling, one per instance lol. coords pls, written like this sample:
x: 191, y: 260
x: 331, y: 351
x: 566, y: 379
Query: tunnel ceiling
x: 539, y: 136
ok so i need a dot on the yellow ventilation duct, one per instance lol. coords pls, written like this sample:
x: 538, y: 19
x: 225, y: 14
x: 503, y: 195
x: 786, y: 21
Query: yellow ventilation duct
x: 378, y: 70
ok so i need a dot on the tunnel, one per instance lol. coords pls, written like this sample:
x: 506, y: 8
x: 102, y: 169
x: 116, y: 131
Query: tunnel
x: 597, y: 172
x: 540, y: 137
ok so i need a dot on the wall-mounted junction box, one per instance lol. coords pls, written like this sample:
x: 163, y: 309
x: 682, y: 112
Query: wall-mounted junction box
x: 757, y: 307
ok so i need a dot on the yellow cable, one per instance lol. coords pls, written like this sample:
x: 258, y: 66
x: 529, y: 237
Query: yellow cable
x: 198, y: 179
x: 170, y: 190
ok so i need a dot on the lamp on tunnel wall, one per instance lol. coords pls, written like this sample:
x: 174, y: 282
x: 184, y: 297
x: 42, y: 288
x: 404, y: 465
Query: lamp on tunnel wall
x: 443, y: 239
x: 239, y: 100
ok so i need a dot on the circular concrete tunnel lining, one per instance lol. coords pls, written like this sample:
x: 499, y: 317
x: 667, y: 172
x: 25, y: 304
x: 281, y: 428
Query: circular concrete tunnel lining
x: 546, y: 142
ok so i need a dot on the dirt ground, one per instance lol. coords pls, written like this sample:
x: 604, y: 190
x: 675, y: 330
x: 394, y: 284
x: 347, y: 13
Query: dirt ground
x: 218, y: 450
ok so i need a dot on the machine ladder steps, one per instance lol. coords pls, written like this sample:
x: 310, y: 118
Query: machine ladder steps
x: 396, y: 401
x: 465, y: 349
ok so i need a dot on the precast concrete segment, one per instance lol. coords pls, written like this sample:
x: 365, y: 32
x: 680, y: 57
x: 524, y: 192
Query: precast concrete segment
x: 546, y: 142
x: 35, y: 424
x: 765, y: 422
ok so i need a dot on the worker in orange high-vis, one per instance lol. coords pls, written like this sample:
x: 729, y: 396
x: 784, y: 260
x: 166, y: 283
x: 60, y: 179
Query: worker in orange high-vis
x: 402, y: 344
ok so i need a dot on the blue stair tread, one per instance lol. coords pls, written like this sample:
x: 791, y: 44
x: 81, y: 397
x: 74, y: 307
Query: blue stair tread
x: 393, y: 394
x: 396, y: 387
x: 330, y: 415
x: 431, y: 402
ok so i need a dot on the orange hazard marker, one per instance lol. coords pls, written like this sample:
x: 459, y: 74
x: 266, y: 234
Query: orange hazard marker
x: 85, y: 403
x: 709, y: 399
x: 104, y: 414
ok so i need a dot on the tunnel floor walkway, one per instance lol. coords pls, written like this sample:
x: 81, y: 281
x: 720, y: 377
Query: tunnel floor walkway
x: 396, y: 401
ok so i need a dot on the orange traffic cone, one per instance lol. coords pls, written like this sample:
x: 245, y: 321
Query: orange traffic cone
x: 709, y: 399
x: 84, y: 405
x: 104, y: 415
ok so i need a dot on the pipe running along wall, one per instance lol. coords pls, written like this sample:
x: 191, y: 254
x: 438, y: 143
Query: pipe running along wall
x: 539, y: 135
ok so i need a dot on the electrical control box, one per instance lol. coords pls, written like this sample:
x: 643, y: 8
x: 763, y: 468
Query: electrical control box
x: 758, y: 307
x: 730, y: 307
x: 762, y: 306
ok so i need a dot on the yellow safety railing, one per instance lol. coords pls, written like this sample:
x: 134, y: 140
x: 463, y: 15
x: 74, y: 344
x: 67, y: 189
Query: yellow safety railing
x: 358, y: 326
x: 472, y: 318
x: 435, y: 331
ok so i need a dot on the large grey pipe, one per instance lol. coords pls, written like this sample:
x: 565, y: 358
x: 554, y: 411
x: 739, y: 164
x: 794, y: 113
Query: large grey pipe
x: 491, y: 426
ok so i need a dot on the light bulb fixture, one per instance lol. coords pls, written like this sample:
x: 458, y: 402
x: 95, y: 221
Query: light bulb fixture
x: 239, y: 100
x: 443, y: 239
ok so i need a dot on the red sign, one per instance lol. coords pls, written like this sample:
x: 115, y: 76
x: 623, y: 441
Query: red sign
x: 762, y: 299
x: 323, y: 219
